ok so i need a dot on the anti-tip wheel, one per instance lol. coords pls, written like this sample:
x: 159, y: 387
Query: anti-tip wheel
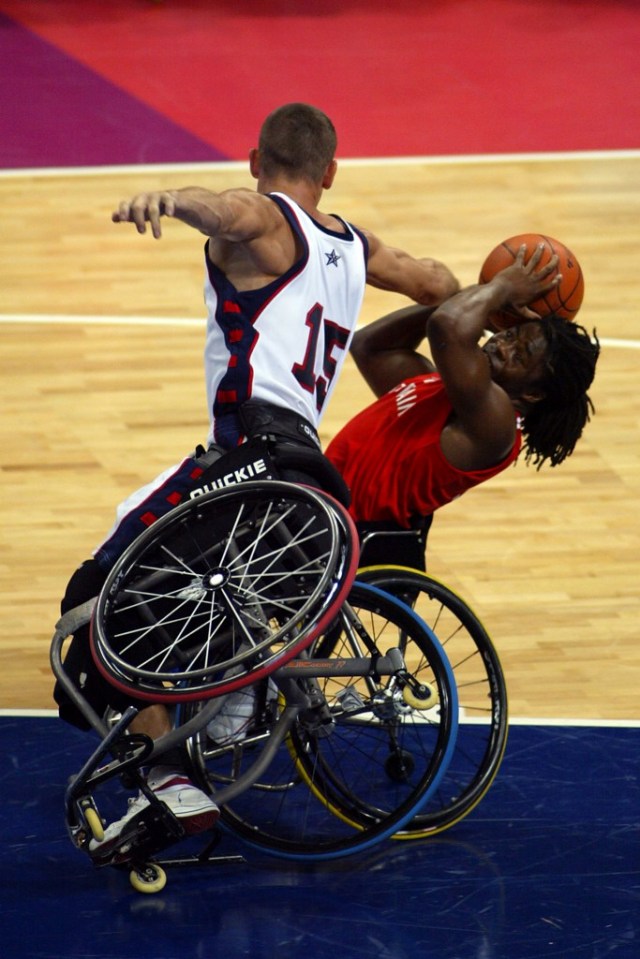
x: 94, y: 823
x: 148, y: 878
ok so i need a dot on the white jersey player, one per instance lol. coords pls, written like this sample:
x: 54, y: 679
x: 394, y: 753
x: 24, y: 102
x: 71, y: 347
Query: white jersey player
x: 285, y: 342
x: 284, y: 286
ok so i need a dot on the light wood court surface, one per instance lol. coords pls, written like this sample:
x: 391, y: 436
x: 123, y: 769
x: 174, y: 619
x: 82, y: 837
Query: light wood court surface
x: 91, y: 409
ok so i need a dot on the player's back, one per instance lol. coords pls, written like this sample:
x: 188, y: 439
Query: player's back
x: 286, y: 342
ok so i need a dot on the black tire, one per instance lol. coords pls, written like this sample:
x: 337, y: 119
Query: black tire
x: 222, y: 590
x: 328, y: 791
x: 482, y: 695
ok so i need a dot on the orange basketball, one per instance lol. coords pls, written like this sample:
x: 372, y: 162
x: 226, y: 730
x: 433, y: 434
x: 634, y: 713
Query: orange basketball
x: 565, y: 299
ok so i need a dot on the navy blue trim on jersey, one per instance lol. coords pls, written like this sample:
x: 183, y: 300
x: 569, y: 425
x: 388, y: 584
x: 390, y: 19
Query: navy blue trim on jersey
x: 363, y: 239
x: 291, y: 217
x: 173, y: 491
x: 236, y: 315
x: 348, y: 235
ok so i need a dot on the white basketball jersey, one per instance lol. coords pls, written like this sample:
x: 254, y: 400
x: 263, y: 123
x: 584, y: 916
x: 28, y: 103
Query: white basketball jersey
x: 285, y: 343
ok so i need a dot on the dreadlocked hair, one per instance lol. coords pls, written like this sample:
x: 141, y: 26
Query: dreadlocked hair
x: 555, y: 423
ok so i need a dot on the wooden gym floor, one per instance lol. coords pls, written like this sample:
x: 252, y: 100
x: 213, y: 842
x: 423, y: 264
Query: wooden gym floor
x: 101, y: 340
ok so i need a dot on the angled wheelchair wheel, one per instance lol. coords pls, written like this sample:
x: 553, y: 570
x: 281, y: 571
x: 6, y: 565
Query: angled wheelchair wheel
x: 362, y: 753
x: 223, y: 590
x: 482, y: 695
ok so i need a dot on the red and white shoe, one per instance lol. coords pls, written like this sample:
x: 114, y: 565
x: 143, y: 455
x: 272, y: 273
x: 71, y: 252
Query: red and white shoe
x: 196, y: 812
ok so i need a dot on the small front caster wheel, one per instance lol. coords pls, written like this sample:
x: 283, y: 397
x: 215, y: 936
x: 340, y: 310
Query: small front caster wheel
x: 424, y: 696
x: 399, y: 766
x: 148, y: 878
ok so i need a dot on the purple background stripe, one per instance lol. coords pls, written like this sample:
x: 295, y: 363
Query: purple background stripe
x: 76, y: 117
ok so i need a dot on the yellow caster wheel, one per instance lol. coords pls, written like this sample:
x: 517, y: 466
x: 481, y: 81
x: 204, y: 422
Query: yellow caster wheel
x: 94, y: 823
x: 424, y: 696
x: 91, y: 819
x: 149, y: 878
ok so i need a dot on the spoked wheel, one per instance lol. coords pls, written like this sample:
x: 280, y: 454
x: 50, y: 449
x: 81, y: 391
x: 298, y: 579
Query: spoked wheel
x: 357, y: 762
x: 222, y: 590
x: 482, y: 695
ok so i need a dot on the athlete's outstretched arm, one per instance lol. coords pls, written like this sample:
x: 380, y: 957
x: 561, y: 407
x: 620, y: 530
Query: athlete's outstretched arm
x: 234, y: 215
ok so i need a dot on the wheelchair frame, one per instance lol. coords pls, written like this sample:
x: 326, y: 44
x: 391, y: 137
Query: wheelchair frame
x: 129, y: 752
x: 444, y: 796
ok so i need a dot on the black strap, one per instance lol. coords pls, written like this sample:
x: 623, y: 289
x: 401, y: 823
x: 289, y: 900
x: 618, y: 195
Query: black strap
x: 258, y: 418
x: 387, y: 543
x: 291, y: 456
x: 279, y: 441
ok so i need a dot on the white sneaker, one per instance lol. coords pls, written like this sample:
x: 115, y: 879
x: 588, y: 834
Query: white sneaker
x: 195, y: 810
x: 232, y: 723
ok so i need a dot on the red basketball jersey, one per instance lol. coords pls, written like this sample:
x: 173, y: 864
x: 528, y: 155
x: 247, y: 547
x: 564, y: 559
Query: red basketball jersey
x: 390, y: 455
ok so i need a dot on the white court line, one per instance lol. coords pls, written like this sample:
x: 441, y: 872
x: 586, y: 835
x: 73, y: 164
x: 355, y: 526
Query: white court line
x: 242, y: 165
x: 31, y: 318
x: 617, y: 723
x: 34, y: 318
x: 29, y: 713
x: 532, y: 721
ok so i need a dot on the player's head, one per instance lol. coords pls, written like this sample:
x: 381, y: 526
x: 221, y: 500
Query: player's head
x: 299, y: 141
x: 559, y: 369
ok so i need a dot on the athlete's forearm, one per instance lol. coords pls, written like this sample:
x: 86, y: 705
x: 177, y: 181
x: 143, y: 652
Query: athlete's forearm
x: 463, y: 318
x: 434, y: 282
x: 385, y: 351
x: 424, y: 280
x: 210, y: 213
x: 403, y: 329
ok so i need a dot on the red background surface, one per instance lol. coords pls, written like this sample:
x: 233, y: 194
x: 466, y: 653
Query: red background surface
x: 409, y: 78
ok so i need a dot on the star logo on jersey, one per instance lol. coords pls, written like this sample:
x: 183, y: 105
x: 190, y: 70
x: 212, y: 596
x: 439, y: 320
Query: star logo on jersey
x: 332, y: 258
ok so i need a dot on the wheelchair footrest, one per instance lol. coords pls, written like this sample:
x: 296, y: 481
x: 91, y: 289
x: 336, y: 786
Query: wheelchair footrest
x: 154, y: 828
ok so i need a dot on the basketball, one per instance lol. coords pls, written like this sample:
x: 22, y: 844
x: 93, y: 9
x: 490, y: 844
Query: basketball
x: 565, y: 300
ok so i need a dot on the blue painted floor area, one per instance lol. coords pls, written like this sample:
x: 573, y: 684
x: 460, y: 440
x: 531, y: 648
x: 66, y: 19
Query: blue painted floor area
x: 548, y: 865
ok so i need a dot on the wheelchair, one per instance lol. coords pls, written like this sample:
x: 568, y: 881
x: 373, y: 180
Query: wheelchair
x: 244, y: 586
x: 481, y: 690
x: 480, y: 682
x: 376, y: 701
